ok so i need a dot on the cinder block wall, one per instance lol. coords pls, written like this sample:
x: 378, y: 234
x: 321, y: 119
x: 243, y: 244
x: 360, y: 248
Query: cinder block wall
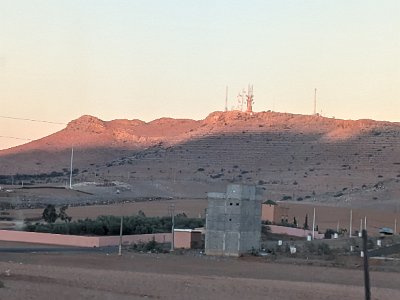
x: 234, y: 221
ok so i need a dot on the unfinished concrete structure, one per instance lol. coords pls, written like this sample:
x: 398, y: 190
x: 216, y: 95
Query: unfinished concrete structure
x: 233, y: 221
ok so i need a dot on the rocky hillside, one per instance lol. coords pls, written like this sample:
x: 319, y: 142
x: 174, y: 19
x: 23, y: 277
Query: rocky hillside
x: 294, y: 157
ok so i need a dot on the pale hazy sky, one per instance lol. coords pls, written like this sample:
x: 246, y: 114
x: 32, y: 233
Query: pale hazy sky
x: 148, y: 59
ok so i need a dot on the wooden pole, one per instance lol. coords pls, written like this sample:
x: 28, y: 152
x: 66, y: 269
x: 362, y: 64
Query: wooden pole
x: 351, y: 222
x: 313, y: 225
x: 120, y: 237
x: 366, y: 268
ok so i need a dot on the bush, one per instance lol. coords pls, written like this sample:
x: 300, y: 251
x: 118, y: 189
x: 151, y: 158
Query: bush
x: 270, y: 202
x: 151, y: 246
x: 328, y: 233
x: 323, y: 249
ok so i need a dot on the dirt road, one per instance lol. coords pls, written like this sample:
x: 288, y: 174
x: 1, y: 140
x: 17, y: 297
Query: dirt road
x: 161, y: 276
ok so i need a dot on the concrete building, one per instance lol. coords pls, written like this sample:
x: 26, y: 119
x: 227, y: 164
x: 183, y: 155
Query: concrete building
x: 188, y: 239
x: 275, y: 213
x: 233, y: 221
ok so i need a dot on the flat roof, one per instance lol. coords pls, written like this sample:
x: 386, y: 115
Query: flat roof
x: 187, y: 230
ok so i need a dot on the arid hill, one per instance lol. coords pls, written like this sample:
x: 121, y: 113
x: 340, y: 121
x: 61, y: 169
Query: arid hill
x: 295, y: 157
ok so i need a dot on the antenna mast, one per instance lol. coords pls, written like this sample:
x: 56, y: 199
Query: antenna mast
x: 240, y: 98
x: 226, y: 99
x: 250, y: 101
x: 315, y: 101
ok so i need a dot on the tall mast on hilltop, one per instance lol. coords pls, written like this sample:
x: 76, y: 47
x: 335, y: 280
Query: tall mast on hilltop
x: 315, y: 101
x: 240, y: 98
x: 226, y: 99
x: 250, y: 99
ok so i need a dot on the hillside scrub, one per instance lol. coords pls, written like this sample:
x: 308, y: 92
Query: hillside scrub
x: 110, y: 225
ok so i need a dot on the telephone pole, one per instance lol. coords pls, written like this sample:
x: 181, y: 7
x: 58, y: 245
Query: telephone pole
x: 172, y: 208
x: 70, y: 174
x: 313, y: 225
x: 120, y: 237
x: 351, y: 222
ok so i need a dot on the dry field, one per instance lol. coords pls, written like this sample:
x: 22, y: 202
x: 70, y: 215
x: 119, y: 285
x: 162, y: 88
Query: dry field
x: 163, y: 276
x: 326, y: 216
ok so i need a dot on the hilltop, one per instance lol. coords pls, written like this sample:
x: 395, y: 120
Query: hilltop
x: 294, y: 157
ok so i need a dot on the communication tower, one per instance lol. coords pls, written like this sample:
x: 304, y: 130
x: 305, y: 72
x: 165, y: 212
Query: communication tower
x: 226, y: 99
x: 315, y: 101
x: 241, y: 98
x: 250, y: 99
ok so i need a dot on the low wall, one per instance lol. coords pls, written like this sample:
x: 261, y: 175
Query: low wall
x: 134, y: 239
x: 79, y: 241
x: 294, y: 231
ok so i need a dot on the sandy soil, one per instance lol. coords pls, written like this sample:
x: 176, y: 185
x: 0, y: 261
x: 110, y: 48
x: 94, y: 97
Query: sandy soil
x: 151, y: 276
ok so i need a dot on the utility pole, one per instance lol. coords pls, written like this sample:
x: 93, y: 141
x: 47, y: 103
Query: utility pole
x: 351, y: 222
x: 313, y: 225
x: 172, y: 208
x: 395, y: 226
x: 365, y: 222
x: 366, y: 268
x: 70, y: 174
x: 120, y: 237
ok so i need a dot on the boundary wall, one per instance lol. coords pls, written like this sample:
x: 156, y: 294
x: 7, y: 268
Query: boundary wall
x: 294, y: 231
x: 80, y: 241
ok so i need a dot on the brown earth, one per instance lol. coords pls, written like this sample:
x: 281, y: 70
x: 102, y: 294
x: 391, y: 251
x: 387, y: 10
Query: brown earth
x: 297, y: 156
x: 159, y: 276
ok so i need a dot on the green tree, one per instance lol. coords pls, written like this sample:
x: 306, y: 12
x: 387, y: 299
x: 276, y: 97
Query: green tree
x: 305, y: 226
x: 49, y: 214
x: 63, y: 214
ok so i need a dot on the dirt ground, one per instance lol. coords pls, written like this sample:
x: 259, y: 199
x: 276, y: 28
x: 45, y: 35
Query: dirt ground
x: 174, y: 276
x: 326, y: 216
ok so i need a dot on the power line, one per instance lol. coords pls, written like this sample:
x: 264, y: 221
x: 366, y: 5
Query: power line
x: 32, y: 120
x: 15, y: 138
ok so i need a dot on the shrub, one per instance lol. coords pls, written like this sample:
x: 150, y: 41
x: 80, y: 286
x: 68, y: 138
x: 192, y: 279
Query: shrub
x: 270, y: 202
x: 328, y: 233
x: 323, y: 249
x: 151, y: 246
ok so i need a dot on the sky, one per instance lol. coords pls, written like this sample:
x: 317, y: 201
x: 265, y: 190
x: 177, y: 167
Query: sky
x: 147, y: 59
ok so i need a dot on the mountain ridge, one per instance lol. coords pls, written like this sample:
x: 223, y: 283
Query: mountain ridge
x: 297, y: 157
x: 86, y: 131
